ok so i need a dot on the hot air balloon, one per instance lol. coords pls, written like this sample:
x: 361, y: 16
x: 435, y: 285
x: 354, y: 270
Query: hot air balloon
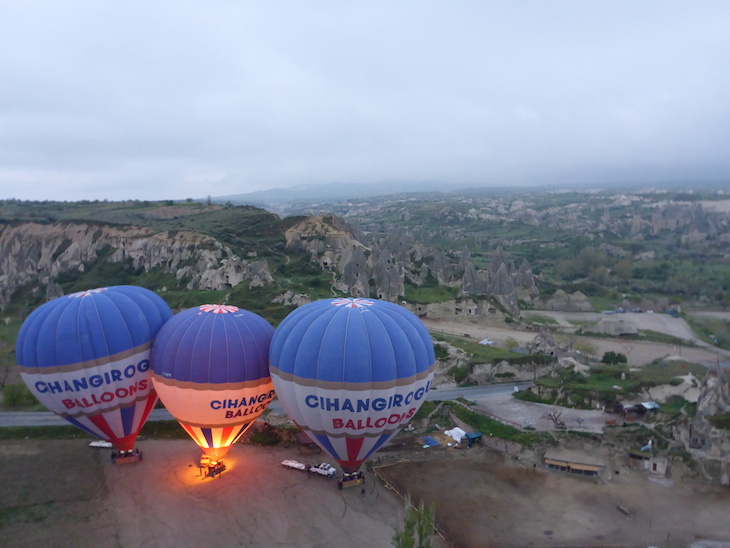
x: 351, y: 373
x: 85, y: 356
x: 210, y: 369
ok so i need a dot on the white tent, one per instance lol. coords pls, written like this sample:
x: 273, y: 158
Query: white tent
x: 455, y: 433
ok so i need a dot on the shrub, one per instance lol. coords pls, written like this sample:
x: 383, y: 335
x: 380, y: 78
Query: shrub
x: 18, y: 395
x: 264, y: 436
x: 460, y: 373
x: 612, y: 357
x: 440, y: 352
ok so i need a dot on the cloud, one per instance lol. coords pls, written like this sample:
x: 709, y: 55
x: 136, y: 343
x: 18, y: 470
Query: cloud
x: 173, y: 99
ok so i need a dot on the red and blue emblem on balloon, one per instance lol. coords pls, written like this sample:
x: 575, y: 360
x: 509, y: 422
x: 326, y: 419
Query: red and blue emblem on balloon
x: 210, y: 369
x: 85, y: 356
x: 351, y: 373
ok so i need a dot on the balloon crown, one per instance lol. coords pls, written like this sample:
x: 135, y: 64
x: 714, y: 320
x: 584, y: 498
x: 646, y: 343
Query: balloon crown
x: 86, y: 293
x: 218, y: 308
x: 352, y: 303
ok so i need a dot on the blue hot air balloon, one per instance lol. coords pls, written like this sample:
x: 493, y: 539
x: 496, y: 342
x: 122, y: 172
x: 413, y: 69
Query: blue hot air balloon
x: 85, y: 356
x: 210, y: 369
x: 351, y: 372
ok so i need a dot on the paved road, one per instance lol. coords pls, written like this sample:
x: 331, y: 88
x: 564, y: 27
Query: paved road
x: 27, y: 418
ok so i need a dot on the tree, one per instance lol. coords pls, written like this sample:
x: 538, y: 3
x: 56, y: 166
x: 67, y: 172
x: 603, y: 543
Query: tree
x: 586, y: 347
x: 612, y: 357
x: 624, y: 269
x: 418, y: 524
x: 510, y: 343
x: 406, y: 538
x: 599, y: 275
x: 554, y: 415
x: 426, y: 521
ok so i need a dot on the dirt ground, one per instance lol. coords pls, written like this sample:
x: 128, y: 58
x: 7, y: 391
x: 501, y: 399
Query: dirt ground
x: 484, y: 500
x: 66, y: 494
x: 527, y: 413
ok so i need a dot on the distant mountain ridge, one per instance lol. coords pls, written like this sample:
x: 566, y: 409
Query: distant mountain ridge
x: 333, y: 192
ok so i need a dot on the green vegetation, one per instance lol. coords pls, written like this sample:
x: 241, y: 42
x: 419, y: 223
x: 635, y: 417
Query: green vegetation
x: 418, y: 525
x: 429, y: 293
x: 460, y: 373
x: 539, y: 319
x: 482, y: 353
x: 18, y: 396
x: 440, y: 352
x: 606, y: 382
x: 529, y: 395
x: 654, y: 336
x: 491, y: 427
x: 711, y: 330
x: 674, y: 405
x: 585, y: 347
x: 611, y: 357
x: 662, y: 372
x: 720, y: 421
x: 8, y: 335
x: 65, y: 432
x: 427, y: 407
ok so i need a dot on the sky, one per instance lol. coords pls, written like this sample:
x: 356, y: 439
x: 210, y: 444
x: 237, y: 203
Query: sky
x: 168, y: 100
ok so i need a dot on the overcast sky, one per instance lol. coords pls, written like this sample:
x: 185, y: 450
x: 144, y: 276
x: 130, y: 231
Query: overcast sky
x: 168, y: 100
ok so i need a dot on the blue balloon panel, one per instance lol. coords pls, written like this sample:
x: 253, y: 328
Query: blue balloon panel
x: 351, y: 373
x: 85, y: 356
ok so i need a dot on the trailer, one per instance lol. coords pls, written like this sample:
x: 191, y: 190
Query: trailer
x: 294, y: 464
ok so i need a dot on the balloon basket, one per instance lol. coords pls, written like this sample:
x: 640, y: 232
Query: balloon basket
x: 350, y: 480
x: 210, y: 468
x: 126, y: 457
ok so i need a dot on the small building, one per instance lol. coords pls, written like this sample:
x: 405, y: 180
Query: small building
x: 645, y: 460
x: 573, y: 462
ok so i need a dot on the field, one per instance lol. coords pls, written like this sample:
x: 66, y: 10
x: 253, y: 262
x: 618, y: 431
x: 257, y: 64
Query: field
x: 484, y: 499
x: 66, y: 494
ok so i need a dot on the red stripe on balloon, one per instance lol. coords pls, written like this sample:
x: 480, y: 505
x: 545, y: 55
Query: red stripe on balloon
x: 226, y: 435
x: 353, y: 448
x: 151, y: 401
x: 100, y: 422
x: 193, y: 434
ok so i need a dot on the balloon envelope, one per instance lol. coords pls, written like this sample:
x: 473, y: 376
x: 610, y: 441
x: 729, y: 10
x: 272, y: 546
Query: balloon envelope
x: 351, y: 373
x: 85, y: 356
x: 210, y: 369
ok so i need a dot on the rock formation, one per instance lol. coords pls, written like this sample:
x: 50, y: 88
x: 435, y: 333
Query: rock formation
x: 31, y: 252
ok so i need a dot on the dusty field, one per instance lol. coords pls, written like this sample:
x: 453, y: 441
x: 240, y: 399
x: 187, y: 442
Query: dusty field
x: 534, y: 414
x: 65, y: 494
x: 485, y: 500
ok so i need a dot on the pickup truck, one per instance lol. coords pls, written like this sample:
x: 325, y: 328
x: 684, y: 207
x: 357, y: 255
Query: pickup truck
x: 323, y: 468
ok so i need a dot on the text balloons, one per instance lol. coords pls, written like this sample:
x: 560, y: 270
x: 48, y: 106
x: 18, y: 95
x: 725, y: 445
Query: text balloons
x: 351, y: 373
x: 85, y: 356
x: 210, y: 369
